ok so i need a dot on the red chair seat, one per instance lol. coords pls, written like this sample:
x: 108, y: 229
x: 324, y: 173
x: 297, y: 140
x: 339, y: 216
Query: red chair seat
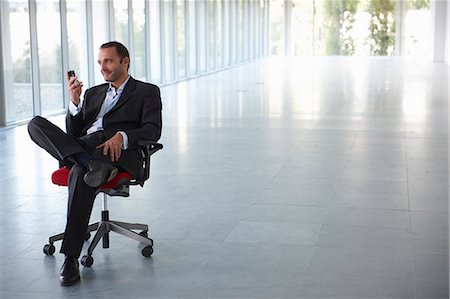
x: 61, y: 177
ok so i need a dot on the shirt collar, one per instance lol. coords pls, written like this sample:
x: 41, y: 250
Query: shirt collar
x: 120, y: 89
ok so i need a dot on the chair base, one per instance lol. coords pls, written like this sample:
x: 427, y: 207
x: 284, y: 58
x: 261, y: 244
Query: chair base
x: 103, y: 228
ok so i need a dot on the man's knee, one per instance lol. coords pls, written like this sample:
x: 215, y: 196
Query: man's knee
x: 77, y: 171
x: 34, y: 124
x: 37, y: 120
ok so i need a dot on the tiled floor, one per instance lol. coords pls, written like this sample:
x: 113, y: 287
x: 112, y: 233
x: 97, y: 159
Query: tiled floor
x: 308, y: 178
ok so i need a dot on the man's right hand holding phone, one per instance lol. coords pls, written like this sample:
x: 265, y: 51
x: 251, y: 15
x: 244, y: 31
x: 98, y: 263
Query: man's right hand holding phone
x: 75, y: 87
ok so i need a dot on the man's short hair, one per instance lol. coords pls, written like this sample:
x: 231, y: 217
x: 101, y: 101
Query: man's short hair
x: 121, y: 50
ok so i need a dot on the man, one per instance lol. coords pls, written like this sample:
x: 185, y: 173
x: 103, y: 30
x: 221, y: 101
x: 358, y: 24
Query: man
x: 102, y: 135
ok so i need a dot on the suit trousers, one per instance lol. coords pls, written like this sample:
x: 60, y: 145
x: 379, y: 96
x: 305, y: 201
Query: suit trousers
x: 81, y: 197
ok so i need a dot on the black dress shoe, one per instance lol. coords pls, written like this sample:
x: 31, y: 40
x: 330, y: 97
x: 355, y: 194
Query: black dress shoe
x: 99, y: 173
x: 70, y: 273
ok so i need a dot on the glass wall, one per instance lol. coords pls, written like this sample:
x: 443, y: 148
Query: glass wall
x: 240, y: 30
x: 18, y: 93
x: 172, y: 40
x: 76, y: 32
x: 211, y: 25
x: 154, y: 41
x: 349, y: 27
x: 417, y: 27
x: 191, y: 46
x: 139, y: 55
x: 168, y: 40
x: 101, y: 34
x: 50, y: 60
x: 277, y: 27
x: 120, y: 24
x: 201, y: 34
x: 181, y: 38
x: 218, y: 37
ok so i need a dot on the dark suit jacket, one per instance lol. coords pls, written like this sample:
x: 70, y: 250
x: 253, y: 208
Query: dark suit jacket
x: 137, y: 113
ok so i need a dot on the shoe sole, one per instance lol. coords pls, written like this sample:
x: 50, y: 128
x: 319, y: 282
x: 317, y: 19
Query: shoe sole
x: 97, y: 182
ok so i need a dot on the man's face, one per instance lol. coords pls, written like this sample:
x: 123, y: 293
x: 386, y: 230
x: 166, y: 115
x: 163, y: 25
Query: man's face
x: 113, y: 68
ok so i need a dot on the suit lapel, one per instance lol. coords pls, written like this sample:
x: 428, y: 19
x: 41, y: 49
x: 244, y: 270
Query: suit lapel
x: 126, y: 94
x: 99, y: 98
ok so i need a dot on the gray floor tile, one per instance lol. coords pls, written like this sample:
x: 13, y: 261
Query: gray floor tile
x: 393, y: 239
x: 433, y: 289
x: 430, y: 240
x: 276, y: 233
x: 321, y: 197
x: 355, y: 199
x: 368, y: 217
x: 285, y: 213
x: 430, y: 266
x: 340, y: 286
x: 368, y: 263
x: 372, y: 186
x: 192, y: 229
x: 267, y: 258
x: 248, y: 284
x: 429, y: 203
x: 429, y: 220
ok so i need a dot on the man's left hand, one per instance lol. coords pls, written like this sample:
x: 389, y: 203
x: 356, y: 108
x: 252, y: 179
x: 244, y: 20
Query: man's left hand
x: 113, y: 146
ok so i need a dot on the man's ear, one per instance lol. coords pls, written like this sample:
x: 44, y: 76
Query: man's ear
x: 127, y: 60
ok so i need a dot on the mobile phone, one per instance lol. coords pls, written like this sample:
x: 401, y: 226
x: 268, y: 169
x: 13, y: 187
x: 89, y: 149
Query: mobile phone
x: 71, y: 73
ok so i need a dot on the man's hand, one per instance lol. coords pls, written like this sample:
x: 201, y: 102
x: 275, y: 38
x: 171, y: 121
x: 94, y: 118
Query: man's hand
x: 113, y: 146
x: 75, y: 88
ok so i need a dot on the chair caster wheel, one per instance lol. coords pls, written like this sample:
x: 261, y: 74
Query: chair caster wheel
x: 147, y: 251
x: 144, y: 234
x: 49, y: 249
x: 87, y: 236
x: 87, y: 260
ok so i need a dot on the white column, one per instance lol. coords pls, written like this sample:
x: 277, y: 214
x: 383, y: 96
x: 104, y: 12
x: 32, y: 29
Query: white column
x: 447, y: 39
x: 439, y: 25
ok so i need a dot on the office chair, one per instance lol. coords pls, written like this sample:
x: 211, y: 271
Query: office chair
x: 118, y: 186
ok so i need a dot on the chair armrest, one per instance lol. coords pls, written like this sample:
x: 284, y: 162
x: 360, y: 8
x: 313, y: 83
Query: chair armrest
x: 150, y: 146
x: 147, y: 148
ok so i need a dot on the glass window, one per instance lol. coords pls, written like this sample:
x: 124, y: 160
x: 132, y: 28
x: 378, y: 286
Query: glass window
x: 76, y: 32
x: 417, y: 28
x: 121, y: 21
x: 276, y: 15
x: 181, y: 39
x: 251, y: 30
x: 303, y: 28
x: 240, y: 31
x: 233, y: 32
x: 169, y: 39
x: 17, y: 60
x: 212, y: 23
x: 341, y: 27
x: 201, y: 35
x: 219, y: 35
x: 49, y: 50
x: 192, y: 41
x: 139, y: 58
x: 244, y: 24
x: 382, y: 27
x: 226, y: 33
x: 100, y: 34
x: 155, y: 42
x: 259, y: 28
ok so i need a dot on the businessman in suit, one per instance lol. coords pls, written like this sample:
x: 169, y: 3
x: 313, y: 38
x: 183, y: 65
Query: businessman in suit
x: 102, y: 134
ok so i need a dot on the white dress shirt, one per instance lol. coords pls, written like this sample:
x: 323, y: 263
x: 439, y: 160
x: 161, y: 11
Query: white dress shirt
x: 112, y: 96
